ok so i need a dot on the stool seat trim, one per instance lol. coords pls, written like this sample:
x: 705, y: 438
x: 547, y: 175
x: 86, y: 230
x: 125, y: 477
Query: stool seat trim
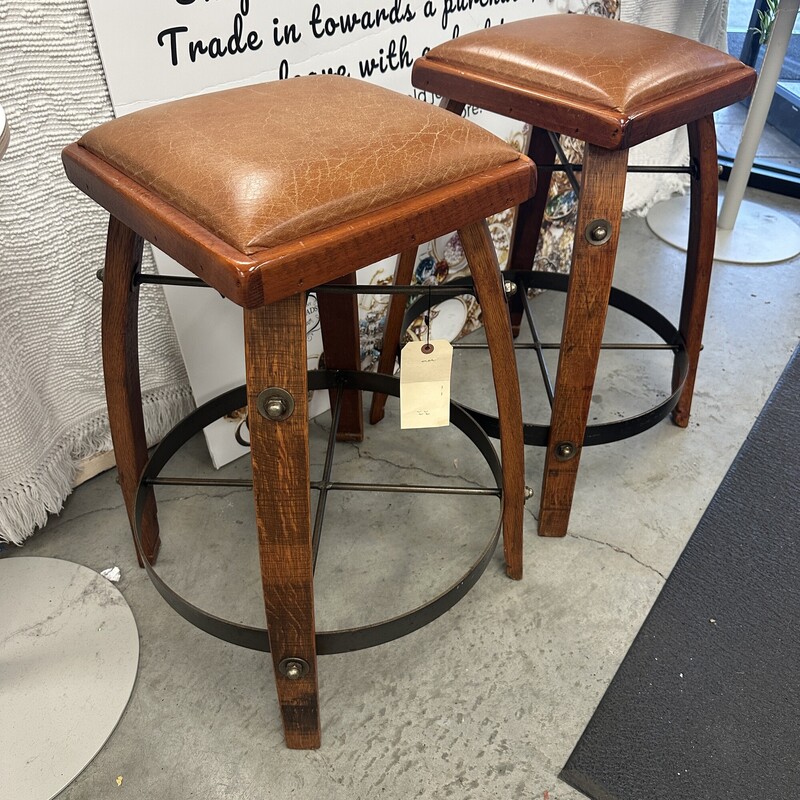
x: 618, y: 85
x: 273, y: 274
x: 327, y: 642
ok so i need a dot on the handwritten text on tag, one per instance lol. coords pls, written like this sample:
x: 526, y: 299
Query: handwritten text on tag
x: 425, y: 384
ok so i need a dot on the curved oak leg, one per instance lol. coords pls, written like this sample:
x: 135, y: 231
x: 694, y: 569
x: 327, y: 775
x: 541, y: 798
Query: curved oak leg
x: 275, y: 356
x: 482, y: 260
x: 392, y: 331
x: 528, y: 219
x: 602, y: 190
x: 121, y: 370
x: 338, y: 319
x: 699, y: 254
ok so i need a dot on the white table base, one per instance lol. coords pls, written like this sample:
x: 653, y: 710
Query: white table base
x: 761, y: 236
x: 69, y: 651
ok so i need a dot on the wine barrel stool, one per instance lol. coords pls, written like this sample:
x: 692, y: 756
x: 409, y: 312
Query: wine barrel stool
x: 265, y: 192
x: 612, y: 85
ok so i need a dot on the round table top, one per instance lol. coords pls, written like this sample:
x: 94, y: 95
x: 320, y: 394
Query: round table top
x: 4, y: 132
x: 70, y: 655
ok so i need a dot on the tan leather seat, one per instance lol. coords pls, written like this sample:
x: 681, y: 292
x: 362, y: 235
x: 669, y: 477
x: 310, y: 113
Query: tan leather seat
x: 265, y: 192
x: 606, y: 82
x: 262, y: 165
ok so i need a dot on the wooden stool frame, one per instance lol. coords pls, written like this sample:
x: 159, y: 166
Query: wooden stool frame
x: 327, y: 642
x: 270, y: 286
x: 603, y: 176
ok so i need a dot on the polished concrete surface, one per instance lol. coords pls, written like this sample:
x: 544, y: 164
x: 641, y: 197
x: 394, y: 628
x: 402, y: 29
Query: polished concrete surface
x: 70, y: 655
x: 488, y: 700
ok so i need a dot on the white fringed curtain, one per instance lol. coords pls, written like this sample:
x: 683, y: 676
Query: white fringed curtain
x: 52, y: 402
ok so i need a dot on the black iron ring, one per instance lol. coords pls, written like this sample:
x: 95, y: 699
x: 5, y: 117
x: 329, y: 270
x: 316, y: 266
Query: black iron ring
x: 338, y: 641
x: 604, y: 432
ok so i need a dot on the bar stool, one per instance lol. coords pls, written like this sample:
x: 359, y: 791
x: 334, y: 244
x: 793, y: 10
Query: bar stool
x: 618, y: 85
x: 265, y: 192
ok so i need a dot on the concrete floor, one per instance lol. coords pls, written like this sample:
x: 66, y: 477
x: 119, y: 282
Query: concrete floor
x: 489, y: 700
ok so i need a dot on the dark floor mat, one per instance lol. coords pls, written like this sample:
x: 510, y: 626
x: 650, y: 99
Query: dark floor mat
x: 706, y: 703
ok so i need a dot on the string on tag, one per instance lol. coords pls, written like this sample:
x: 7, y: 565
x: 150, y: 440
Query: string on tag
x: 427, y: 348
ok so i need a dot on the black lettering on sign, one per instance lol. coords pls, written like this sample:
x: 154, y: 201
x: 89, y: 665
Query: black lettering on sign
x: 323, y: 26
x: 244, y: 5
x: 289, y: 34
x: 283, y: 71
x: 173, y: 40
x: 395, y: 56
x: 237, y: 43
x: 455, y: 6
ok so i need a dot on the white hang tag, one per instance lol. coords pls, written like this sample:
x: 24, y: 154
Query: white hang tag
x: 425, y: 384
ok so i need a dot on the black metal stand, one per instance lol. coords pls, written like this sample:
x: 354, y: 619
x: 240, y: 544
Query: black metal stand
x: 521, y: 281
x: 345, y: 640
x: 602, y: 433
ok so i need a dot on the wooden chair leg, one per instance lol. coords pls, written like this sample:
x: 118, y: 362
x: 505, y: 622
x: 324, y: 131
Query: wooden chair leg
x: 699, y: 254
x: 338, y: 318
x: 392, y: 332
x: 602, y: 190
x: 275, y: 355
x: 121, y: 369
x: 528, y: 220
x: 452, y: 105
x: 482, y: 260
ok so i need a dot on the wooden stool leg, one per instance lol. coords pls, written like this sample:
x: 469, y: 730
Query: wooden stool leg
x: 482, y: 260
x: 275, y: 354
x: 528, y: 220
x: 392, y: 332
x: 338, y: 319
x: 699, y: 254
x: 602, y: 190
x: 121, y: 370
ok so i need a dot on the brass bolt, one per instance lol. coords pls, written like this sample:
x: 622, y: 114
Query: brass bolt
x: 598, y: 231
x: 275, y: 404
x: 564, y: 451
x: 293, y: 668
x: 528, y: 493
x: 293, y: 671
x: 275, y: 408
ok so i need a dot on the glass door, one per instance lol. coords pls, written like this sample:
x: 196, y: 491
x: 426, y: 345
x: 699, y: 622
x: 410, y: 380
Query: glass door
x: 777, y: 165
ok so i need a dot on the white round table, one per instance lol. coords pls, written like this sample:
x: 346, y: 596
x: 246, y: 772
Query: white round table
x: 5, y: 133
x: 747, y: 232
x: 70, y: 652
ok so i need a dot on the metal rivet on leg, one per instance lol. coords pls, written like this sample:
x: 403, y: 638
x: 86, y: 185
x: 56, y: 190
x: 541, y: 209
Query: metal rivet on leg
x: 510, y: 288
x: 293, y: 668
x: 275, y: 404
x: 598, y: 231
x: 564, y: 451
x: 528, y: 493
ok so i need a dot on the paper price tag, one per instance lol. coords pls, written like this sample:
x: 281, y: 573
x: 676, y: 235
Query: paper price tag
x: 425, y: 384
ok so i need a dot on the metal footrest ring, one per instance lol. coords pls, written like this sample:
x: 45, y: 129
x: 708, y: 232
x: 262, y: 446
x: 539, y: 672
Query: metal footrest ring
x: 338, y: 641
x: 601, y: 433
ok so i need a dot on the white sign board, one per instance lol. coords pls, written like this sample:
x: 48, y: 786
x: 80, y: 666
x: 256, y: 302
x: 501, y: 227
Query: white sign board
x: 158, y: 50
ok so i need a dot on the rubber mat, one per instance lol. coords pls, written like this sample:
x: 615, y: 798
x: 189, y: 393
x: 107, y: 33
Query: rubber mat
x: 706, y: 703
